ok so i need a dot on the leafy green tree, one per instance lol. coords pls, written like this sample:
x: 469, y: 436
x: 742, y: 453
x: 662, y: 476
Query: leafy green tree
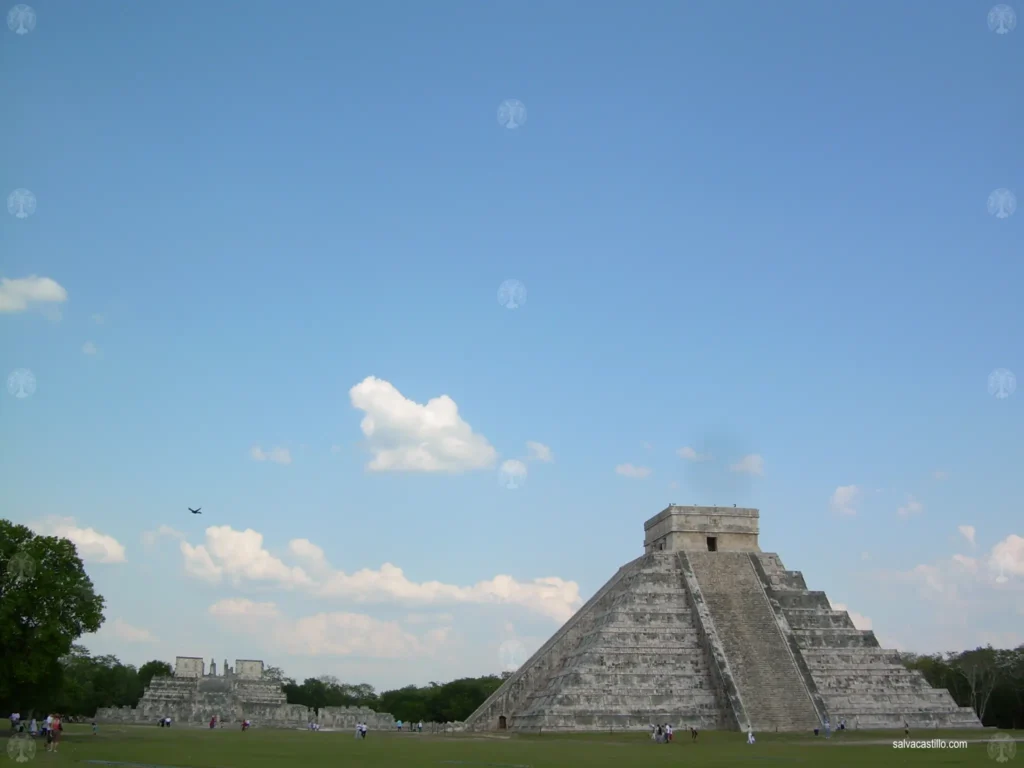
x: 46, y: 603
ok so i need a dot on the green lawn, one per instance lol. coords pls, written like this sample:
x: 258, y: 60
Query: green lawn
x: 179, y: 747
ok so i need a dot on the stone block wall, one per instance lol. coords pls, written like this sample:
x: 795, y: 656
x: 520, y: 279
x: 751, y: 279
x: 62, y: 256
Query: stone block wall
x: 534, y: 674
x: 189, y: 666
x: 248, y: 668
x: 631, y: 657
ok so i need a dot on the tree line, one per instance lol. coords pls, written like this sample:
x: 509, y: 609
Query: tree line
x: 47, y: 602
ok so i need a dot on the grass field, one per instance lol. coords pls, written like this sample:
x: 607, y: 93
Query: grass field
x: 179, y: 747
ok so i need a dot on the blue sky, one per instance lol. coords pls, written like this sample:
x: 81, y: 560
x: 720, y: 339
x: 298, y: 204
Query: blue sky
x: 755, y: 233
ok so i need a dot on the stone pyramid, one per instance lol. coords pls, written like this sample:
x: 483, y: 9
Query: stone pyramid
x: 706, y: 630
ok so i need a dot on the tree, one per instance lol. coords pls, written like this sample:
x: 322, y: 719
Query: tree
x: 46, y: 603
x: 152, y: 669
x: 981, y: 669
x: 274, y: 673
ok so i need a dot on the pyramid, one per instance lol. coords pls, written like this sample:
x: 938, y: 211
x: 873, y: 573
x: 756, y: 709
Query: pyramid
x: 705, y: 630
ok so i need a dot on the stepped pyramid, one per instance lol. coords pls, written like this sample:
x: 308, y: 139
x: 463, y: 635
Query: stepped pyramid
x: 706, y: 630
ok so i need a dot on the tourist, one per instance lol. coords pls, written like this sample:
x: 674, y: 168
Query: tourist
x: 399, y: 724
x: 213, y: 722
x: 750, y: 736
x: 668, y: 733
x: 828, y: 729
x: 15, y: 719
x: 363, y: 729
x: 693, y: 733
x: 419, y: 726
x: 54, y: 739
x: 33, y: 727
x: 95, y: 728
x: 661, y: 735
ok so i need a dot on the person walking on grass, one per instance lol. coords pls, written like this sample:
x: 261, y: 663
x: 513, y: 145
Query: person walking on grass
x: 53, y: 740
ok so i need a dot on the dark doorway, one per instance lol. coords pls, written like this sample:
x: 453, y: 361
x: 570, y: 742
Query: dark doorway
x: 712, y: 543
x: 502, y: 723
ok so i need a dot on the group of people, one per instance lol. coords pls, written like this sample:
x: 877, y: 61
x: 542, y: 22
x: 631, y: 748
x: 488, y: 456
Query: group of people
x: 664, y: 734
x: 50, y: 728
x: 413, y: 727
x: 360, y: 730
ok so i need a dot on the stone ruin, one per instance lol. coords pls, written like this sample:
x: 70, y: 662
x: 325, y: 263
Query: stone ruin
x: 242, y: 692
x: 705, y: 630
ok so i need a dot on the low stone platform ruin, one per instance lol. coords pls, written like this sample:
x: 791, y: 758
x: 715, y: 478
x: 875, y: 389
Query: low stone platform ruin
x: 706, y: 630
x: 192, y: 696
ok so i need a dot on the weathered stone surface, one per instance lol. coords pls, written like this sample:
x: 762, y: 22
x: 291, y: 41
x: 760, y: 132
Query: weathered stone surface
x: 707, y: 630
x: 194, y: 697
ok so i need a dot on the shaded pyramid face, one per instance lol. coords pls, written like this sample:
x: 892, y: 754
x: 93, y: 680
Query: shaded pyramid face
x: 713, y: 639
x: 629, y: 658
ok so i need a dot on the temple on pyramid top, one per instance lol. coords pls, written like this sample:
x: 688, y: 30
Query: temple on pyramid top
x: 704, y: 630
x: 702, y: 529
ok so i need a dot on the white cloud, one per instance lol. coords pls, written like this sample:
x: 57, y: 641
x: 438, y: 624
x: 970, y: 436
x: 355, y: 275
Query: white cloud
x: 912, y: 507
x: 239, y: 556
x: 327, y: 634
x: 92, y: 546
x: 18, y: 294
x: 688, y: 453
x: 968, y: 563
x: 860, y: 621
x: 628, y: 470
x: 939, y: 474
x: 89, y: 348
x: 752, y: 464
x: 962, y: 582
x: 276, y: 455
x: 539, y: 452
x: 843, y: 499
x: 405, y: 436
x: 514, y: 468
x: 964, y: 602
x: 967, y: 531
x: 1008, y: 557
x: 149, y: 538
x: 122, y: 630
x: 429, y: 618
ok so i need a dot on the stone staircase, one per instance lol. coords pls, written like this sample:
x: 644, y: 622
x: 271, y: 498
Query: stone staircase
x: 761, y: 664
x: 857, y: 679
